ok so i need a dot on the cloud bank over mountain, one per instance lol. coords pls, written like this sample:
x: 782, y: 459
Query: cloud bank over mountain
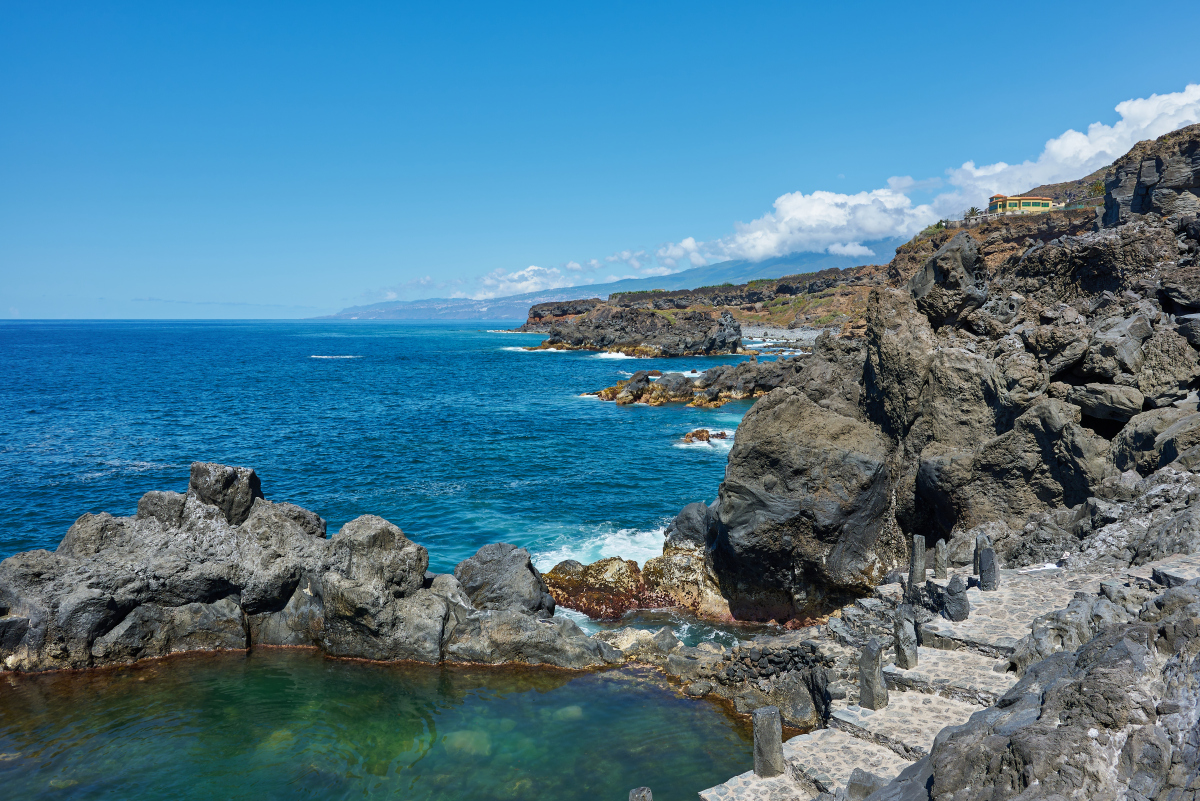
x: 836, y: 223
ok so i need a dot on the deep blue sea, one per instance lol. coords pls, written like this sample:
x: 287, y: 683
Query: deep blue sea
x: 449, y: 430
x: 453, y: 432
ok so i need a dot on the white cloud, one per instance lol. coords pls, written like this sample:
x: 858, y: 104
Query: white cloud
x: 671, y: 254
x: 498, y: 283
x: 850, y: 249
x: 822, y: 220
x: 1073, y: 154
x: 839, y: 223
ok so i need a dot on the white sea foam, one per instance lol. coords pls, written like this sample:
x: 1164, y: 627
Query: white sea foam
x: 607, y: 355
x: 626, y: 543
x: 335, y: 357
x: 519, y: 349
x: 722, y: 445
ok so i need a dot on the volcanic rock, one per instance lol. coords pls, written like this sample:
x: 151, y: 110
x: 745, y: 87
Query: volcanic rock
x: 182, y: 576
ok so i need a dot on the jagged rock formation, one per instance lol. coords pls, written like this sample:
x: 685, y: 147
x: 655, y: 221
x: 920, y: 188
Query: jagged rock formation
x: 1160, y: 177
x: 641, y: 332
x: 985, y: 391
x: 710, y: 389
x: 221, y: 567
x: 544, y: 315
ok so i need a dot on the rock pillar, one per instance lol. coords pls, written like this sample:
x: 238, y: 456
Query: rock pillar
x: 916, y: 566
x: 641, y: 794
x: 768, y: 742
x: 955, y: 605
x: 941, y: 560
x: 989, y: 571
x: 981, y: 541
x: 906, y: 642
x: 872, y: 689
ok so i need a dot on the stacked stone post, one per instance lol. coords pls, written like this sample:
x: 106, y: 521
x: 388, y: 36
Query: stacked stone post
x: 981, y: 541
x: 941, y: 560
x: 768, y: 742
x: 905, y: 635
x: 916, y: 567
x: 989, y: 571
x: 872, y: 689
x: 955, y: 604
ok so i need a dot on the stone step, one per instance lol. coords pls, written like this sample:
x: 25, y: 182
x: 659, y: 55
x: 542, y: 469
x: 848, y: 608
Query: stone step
x: 1000, y: 618
x: 748, y: 787
x: 823, y: 760
x: 907, y: 725
x: 818, y: 762
x: 962, y: 675
x: 1170, y: 572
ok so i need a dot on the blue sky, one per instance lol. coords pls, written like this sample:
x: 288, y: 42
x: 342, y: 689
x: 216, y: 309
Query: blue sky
x: 289, y: 159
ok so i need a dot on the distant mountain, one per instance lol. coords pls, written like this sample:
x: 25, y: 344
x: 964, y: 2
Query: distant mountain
x: 516, y: 307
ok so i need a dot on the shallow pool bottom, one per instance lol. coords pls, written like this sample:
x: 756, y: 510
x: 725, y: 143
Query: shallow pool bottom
x: 291, y: 723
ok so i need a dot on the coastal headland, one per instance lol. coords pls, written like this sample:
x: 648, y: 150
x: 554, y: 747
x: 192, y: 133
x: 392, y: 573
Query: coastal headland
x: 971, y: 514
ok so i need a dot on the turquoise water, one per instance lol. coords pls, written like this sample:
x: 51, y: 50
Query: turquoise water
x: 451, y: 432
x: 293, y: 724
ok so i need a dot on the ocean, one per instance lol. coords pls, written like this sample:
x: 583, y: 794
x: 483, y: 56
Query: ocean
x: 450, y: 430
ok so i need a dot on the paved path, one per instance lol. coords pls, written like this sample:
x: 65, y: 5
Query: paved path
x: 956, y: 676
x: 963, y: 675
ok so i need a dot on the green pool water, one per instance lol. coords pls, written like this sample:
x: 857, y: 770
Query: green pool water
x: 294, y: 724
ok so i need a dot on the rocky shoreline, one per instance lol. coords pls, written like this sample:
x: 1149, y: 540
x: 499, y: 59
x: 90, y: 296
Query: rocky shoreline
x: 975, y: 526
x: 646, y: 333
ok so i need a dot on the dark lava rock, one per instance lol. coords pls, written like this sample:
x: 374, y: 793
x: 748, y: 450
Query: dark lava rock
x: 502, y: 576
x: 181, y: 576
x: 955, y: 605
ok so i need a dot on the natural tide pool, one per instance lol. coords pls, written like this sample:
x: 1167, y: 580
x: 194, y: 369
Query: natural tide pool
x: 291, y: 723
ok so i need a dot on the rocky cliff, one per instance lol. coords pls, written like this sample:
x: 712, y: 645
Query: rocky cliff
x: 995, y: 382
x: 221, y: 567
x: 644, y: 332
x: 543, y: 315
x: 1159, y: 177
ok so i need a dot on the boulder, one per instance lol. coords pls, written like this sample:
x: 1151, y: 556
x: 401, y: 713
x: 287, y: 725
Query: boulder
x: 230, y: 489
x: 1107, y: 401
x: 1169, y: 366
x: 603, y: 590
x: 900, y: 345
x: 1137, y: 446
x: 802, y: 506
x: 1059, y: 347
x: 502, y: 576
x: 1047, y: 460
x: 1116, y: 348
x: 691, y: 529
x: 951, y: 282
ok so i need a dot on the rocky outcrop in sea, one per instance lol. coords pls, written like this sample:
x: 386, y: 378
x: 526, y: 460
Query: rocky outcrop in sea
x: 220, y: 567
x: 644, y: 332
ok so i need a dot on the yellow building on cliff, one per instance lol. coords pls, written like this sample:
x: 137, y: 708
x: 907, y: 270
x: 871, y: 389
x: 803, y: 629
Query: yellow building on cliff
x: 1005, y: 204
